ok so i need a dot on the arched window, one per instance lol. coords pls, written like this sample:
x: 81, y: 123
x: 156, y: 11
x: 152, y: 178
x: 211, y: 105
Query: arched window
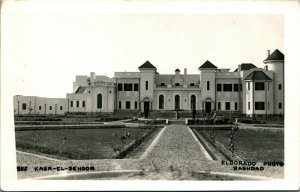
x: 161, y: 102
x: 193, y: 102
x: 177, y: 102
x: 99, y: 101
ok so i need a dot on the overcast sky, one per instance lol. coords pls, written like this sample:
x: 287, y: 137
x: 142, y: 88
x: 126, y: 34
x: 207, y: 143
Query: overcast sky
x: 49, y: 48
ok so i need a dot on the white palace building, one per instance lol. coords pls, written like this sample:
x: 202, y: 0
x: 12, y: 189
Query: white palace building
x: 248, y: 90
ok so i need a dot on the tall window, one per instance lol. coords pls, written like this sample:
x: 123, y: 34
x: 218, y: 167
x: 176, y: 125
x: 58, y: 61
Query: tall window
x: 135, y: 104
x: 23, y: 106
x: 259, y: 86
x: 40, y: 107
x: 77, y: 103
x: 193, y: 102
x: 127, y: 104
x: 136, y: 87
x: 50, y: 107
x: 279, y: 86
x: 219, y: 105
x: 227, y: 87
x: 120, y: 104
x: 120, y: 87
x: 177, y: 102
x: 61, y: 108
x: 259, y: 105
x: 235, y: 87
x: 219, y: 87
x: 146, y: 85
x: 208, y: 85
x: 227, y: 105
x: 83, y: 103
x: 235, y: 106
x: 268, y: 86
x: 99, y: 101
x: 71, y: 103
x: 248, y: 86
x: 161, y: 102
x: 248, y: 105
x: 279, y: 105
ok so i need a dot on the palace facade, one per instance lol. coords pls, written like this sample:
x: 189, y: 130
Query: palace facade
x: 247, y: 90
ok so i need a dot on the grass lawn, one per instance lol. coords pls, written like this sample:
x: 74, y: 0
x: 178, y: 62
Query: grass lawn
x: 76, y: 143
x: 255, y: 145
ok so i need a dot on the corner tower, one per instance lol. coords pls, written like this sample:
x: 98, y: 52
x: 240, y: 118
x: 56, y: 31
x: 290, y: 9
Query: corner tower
x: 275, y: 62
x: 147, y: 79
x: 208, y: 84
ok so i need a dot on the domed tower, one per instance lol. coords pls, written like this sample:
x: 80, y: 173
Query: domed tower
x: 275, y: 62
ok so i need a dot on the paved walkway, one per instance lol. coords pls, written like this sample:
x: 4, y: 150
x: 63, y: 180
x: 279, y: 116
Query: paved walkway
x: 176, y: 147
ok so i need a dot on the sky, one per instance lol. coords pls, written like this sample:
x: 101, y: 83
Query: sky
x: 48, y: 48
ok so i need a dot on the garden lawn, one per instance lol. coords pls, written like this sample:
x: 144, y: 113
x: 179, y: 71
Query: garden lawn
x: 257, y: 146
x: 77, y: 143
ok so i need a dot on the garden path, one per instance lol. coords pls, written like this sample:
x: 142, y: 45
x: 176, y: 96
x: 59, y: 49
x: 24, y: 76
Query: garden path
x: 176, y: 148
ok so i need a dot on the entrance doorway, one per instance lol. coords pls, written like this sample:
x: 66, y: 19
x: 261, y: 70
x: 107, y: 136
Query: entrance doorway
x: 177, y: 102
x: 146, y: 109
x: 193, y: 102
x: 207, y: 107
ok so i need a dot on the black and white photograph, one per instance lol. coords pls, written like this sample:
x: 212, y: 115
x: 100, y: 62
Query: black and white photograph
x: 124, y: 92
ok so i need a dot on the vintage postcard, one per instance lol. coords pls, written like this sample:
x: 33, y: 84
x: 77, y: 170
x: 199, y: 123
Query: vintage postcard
x: 118, y: 95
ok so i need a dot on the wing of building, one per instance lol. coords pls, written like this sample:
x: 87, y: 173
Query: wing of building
x: 247, y: 90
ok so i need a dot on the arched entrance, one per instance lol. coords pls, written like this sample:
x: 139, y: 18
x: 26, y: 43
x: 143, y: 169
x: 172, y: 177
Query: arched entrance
x: 193, y: 102
x: 177, y: 102
x: 208, y: 105
x: 146, y: 107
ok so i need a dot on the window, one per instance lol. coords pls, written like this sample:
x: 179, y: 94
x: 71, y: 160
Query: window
x: 40, y: 107
x: 235, y: 87
x: 127, y: 87
x: 71, y: 103
x: 235, y: 106
x: 83, y: 103
x: 279, y: 86
x: 259, y: 105
x: 61, y: 108
x: 120, y: 87
x: 177, y: 84
x: 268, y: 86
x: 23, y: 106
x: 120, y: 104
x: 219, y: 105
x: 192, y: 84
x: 248, y: 86
x: 146, y: 85
x: 207, y: 85
x: 135, y: 104
x: 227, y: 105
x: 248, y: 105
x: 162, y: 84
x: 77, y: 103
x: 127, y: 104
x: 260, y: 86
x: 161, y: 101
x: 227, y: 87
x: 99, y: 101
x: 279, y: 105
x: 136, y: 87
x: 50, y: 107
x: 219, y: 87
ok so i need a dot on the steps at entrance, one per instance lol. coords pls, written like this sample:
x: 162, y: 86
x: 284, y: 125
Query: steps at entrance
x: 177, y: 121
